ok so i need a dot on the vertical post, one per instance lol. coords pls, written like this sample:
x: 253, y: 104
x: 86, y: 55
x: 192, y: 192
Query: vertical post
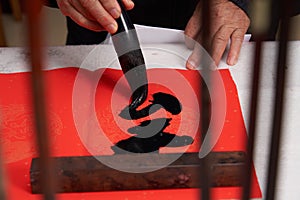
x: 252, y: 123
x: 260, y: 14
x: 279, y: 99
x: 205, y: 176
x: 42, y: 138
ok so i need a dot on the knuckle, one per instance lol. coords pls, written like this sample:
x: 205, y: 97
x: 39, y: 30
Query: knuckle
x: 109, y: 3
x: 103, y: 19
x: 84, y: 3
x: 63, y: 5
x: 87, y: 3
x: 247, y: 22
x: 223, y: 34
x: 81, y: 21
x: 238, y: 36
x: 220, y: 37
x: 219, y: 40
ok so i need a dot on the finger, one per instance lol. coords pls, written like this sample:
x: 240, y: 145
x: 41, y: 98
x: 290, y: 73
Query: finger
x: 101, y: 14
x: 219, y: 43
x: 193, y: 28
x: 237, y: 39
x: 128, y: 4
x: 200, y: 59
x: 191, y: 32
x: 76, y: 5
x: 193, y: 62
x: 112, y: 7
x: 83, y: 21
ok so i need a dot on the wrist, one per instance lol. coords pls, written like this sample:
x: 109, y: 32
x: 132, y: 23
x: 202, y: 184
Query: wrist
x: 242, y: 4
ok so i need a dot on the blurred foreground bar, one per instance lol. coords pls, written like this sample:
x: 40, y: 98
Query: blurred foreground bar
x: 279, y: 98
x: 36, y: 63
x: 88, y: 174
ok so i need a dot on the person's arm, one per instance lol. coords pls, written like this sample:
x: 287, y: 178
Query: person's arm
x: 96, y: 15
x: 227, y: 21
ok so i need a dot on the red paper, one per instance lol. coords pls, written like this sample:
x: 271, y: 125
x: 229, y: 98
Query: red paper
x: 17, y: 130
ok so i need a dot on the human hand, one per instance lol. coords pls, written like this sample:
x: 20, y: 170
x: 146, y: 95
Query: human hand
x: 96, y: 15
x: 227, y: 21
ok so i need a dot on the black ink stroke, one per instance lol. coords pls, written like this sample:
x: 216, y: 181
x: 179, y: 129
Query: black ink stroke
x: 149, y: 135
x: 151, y: 144
x: 161, y: 100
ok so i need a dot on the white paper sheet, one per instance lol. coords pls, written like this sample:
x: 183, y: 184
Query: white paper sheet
x: 13, y: 60
x: 158, y: 35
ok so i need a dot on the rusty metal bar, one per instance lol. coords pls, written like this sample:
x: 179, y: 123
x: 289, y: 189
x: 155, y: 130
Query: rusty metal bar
x: 279, y: 100
x: 252, y: 122
x: 35, y: 40
x: 205, y: 174
x: 260, y: 14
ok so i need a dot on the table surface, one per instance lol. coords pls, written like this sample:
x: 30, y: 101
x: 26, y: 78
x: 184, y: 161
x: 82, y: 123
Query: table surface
x: 14, y: 60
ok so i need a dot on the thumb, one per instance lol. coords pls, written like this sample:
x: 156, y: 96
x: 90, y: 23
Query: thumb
x: 193, y: 28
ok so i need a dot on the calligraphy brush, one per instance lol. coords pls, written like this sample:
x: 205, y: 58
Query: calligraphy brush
x: 131, y: 58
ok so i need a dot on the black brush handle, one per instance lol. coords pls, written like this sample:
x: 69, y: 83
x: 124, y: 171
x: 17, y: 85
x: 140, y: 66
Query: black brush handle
x: 131, y: 58
x: 124, y: 21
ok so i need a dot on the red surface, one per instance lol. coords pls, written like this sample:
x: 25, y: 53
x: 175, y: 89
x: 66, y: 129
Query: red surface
x: 17, y: 131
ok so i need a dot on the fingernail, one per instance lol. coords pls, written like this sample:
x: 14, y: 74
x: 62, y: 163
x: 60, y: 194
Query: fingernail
x: 130, y: 2
x: 112, y: 28
x: 115, y: 13
x: 232, y: 60
x: 191, y: 64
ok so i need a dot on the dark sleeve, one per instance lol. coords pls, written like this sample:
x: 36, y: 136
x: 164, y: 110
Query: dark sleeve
x: 51, y: 3
x: 243, y: 4
x: 296, y: 8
